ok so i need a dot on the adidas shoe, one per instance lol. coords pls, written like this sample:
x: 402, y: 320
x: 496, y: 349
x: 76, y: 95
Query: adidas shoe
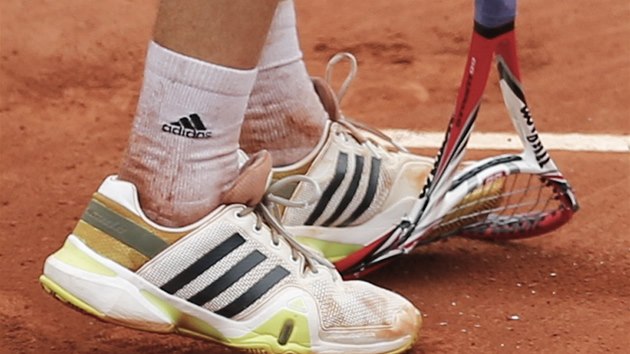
x: 370, y: 185
x: 235, y: 277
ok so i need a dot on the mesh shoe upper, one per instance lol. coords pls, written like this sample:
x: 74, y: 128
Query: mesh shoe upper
x: 359, y: 174
x: 354, y: 180
x: 234, y: 263
x: 342, y: 304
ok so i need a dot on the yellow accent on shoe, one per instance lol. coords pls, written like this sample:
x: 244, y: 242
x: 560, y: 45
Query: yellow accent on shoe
x: 58, y: 292
x: 269, y: 335
x: 266, y: 337
x: 333, y: 251
x: 69, y: 299
x: 109, y: 247
x: 185, y: 323
x: 298, y: 305
x: 73, y: 256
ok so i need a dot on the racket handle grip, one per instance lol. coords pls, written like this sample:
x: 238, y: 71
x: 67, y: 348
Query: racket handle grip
x: 494, y: 13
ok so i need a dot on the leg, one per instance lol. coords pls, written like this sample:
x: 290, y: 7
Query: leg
x: 182, y: 152
x: 236, y: 277
x: 224, y: 32
x: 284, y: 114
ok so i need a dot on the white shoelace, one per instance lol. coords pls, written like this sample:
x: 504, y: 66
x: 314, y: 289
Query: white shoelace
x: 267, y: 212
x: 354, y: 127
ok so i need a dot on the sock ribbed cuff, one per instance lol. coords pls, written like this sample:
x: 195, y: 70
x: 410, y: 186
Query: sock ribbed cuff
x: 199, y: 74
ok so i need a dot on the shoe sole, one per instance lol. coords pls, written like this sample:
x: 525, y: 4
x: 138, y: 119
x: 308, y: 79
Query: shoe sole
x: 77, y: 277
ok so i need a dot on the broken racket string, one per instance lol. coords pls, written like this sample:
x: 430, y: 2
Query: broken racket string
x: 517, y: 208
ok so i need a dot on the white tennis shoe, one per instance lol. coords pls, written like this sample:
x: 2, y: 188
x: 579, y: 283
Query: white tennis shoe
x: 235, y: 277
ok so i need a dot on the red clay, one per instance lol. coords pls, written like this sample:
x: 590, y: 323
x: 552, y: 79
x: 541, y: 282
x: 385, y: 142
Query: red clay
x: 69, y: 77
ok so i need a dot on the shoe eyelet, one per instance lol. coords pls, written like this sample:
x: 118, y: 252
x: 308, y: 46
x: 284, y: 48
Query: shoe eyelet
x: 256, y: 228
x: 275, y: 244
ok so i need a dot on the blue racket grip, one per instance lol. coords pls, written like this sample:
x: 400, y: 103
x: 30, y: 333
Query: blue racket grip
x: 494, y: 13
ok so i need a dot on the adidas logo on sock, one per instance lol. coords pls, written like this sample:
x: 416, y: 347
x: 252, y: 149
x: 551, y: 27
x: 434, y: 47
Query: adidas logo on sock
x: 190, y: 127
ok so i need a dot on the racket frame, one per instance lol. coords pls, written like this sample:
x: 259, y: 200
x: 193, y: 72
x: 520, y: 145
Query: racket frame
x: 446, y: 186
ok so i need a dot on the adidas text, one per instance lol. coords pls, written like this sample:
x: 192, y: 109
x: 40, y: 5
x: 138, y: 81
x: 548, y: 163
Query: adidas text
x: 189, y: 133
x: 189, y: 127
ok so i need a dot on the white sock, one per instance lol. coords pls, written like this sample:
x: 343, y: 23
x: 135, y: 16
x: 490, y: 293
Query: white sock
x: 182, y: 151
x: 284, y: 114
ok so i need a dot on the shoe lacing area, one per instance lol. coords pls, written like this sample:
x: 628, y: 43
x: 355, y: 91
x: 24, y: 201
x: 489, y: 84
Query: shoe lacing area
x: 268, y: 213
x: 354, y: 128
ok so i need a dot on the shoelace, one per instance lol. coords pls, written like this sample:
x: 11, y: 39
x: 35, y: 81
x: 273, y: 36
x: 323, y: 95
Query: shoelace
x: 267, y: 210
x: 268, y: 213
x: 354, y: 127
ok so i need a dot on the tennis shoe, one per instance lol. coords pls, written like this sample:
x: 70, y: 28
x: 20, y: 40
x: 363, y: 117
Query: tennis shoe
x: 235, y: 277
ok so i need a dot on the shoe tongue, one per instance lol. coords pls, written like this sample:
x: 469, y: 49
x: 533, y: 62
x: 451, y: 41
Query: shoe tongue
x: 252, y: 182
x: 328, y: 98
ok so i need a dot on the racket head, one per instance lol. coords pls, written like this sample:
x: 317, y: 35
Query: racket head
x: 510, y: 196
x: 516, y: 204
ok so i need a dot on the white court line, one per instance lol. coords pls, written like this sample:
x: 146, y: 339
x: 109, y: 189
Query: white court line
x: 505, y: 141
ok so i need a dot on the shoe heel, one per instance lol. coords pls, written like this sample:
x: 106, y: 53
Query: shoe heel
x: 68, y: 299
x: 79, y: 277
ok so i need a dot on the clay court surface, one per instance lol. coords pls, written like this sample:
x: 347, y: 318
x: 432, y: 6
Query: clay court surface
x: 70, y: 73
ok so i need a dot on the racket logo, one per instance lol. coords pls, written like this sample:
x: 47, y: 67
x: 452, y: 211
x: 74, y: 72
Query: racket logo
x: 473, y: 62
x: 542, y: 157
x: 528, y: 118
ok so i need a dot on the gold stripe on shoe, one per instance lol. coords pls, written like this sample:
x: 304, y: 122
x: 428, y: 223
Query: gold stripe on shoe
x: 120, y: 235
x: 109, y: 247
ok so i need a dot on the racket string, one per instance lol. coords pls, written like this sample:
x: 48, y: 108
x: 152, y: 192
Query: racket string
x: 522, y: 196
x: 537, y: 200
x: 509, y: 202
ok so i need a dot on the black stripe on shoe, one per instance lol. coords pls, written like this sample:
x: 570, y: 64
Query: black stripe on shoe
x: 196, y: 121
x: 254, y: 293
x: 370, y: 193
x: 340, y: 173
x: 203, y: 263
x: 185, y: 122
x: 226, y: 280
x: 350, y: 192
